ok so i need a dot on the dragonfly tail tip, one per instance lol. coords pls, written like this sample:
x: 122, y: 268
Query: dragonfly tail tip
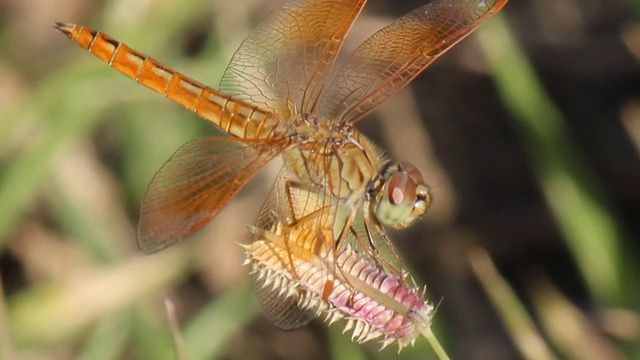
x: 64, y: 28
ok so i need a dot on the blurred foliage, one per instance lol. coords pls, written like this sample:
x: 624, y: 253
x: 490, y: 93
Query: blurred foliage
x: 80, y: 143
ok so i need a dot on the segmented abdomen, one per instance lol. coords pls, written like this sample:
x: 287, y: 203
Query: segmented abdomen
x: 233, y: 116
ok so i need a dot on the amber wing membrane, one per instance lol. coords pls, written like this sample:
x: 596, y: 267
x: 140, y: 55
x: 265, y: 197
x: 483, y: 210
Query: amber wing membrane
x: 284, y: 63
x: 294, y: 215
x: 391, y: 58
x: 195, y: 183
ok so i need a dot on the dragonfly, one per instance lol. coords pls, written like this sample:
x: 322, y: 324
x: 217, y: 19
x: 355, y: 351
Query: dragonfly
x: 319, y: 243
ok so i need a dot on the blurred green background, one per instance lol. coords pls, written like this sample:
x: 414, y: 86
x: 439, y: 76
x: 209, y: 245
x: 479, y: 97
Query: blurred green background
x: 528, y: 132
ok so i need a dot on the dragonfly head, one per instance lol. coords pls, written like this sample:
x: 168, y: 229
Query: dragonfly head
x: 402, y: 197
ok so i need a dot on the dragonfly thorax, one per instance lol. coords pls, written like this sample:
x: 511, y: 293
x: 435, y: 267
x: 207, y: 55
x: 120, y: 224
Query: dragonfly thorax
x: 333, y: 156
x: 310, y: 130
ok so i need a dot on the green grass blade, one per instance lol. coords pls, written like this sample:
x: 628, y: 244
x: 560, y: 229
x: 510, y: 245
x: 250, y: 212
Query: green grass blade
x: 594, y: 235
x: 208, y: 332
x: 106, y: 341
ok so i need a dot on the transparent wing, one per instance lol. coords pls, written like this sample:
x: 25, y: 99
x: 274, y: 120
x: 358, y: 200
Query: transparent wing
x: 294, y: 227
x: 284, y: 63
x: 195, y: 183
x: 391, y: 58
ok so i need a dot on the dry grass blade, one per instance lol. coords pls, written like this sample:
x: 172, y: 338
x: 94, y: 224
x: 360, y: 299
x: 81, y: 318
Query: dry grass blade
x: 178, y: 341
x: 569, y: 329
x: 515, y: 318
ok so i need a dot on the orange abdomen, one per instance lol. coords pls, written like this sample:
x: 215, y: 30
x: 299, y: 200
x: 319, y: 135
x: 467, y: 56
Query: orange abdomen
x: 233, y: 116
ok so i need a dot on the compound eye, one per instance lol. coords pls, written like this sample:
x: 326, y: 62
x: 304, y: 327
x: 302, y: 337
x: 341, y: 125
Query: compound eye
x: 401, y: 189
x: 412, y: 171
